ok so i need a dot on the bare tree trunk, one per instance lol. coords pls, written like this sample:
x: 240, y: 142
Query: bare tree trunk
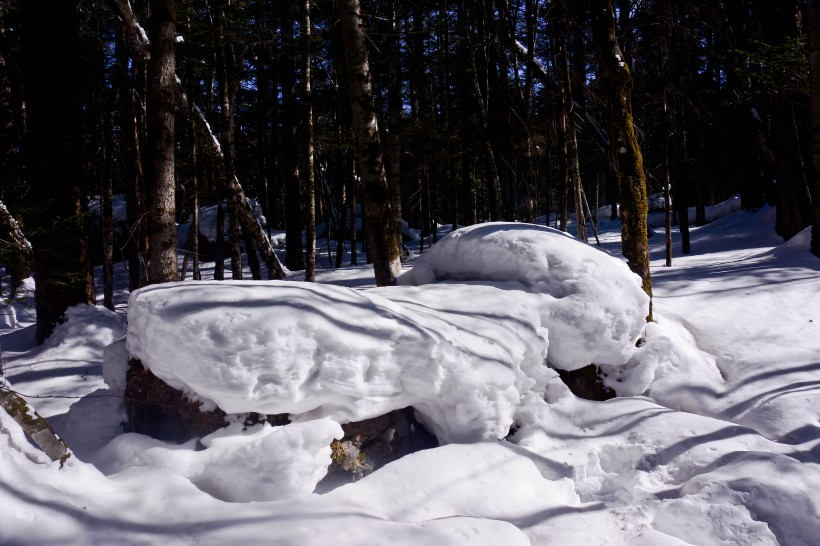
x: 395, y: 107
x: 667, y: 198
x: 496, y: 198
x: 228, y: 141
x: 381, y: 236
x: 629, y: 160
x: 161, y: 104
x: 572, y: 177
x: 814, y: 75
x: 54, y: 152
x: 219, y: 266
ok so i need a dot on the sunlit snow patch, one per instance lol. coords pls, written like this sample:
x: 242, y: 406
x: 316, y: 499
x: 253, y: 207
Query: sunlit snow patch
x: 592, y: 305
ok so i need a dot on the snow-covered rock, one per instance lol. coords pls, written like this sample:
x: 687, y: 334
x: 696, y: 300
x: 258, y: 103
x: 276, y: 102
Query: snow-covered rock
x: 591, y: 303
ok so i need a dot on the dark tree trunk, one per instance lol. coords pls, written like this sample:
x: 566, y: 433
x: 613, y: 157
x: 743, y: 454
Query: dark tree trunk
x: 381, y: 236
x: 294, y: 222
x: 160, y: 179
x: 228, y: 139
x: 629, y: 160
x: 493, y: 178
x: 219, y: 266
x: 308, y: 176
x: 54, y: 154
x: 814, y: 75
x: 572, y: 177
x: 395, y: 108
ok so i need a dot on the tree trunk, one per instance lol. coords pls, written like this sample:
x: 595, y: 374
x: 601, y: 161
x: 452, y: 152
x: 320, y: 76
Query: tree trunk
x: 161, y: 180
x: 395, y: 108
x: 572, y: 176
x: 294, y: 223
x: 308, y: 175
x: 628, y: 158
x: 814, y: 74
x: 53, y: 154
x: 219, y: 266
x: 228, y: 139
x: 381, y: 236
x: 493, y: 178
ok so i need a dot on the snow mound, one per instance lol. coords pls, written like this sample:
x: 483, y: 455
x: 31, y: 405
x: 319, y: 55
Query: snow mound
x: 328, y: 351
x: 592, y: 305
x: 239, y: 464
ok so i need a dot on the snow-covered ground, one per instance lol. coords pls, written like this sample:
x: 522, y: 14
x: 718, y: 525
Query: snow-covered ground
x: 713, y: 439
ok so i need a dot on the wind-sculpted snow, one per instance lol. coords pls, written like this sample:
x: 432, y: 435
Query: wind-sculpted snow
x: 592, y: 305
x: 464, y: 353
x: 328, y: 351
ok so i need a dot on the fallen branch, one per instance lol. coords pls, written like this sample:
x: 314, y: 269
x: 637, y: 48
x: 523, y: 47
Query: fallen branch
x: 33, y: 425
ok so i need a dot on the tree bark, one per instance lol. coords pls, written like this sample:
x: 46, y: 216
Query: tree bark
x: 228, y: 140
x: 381, y: 236
x: 53, y: 155
x: 628, y: 158
x: 308, y: 174
x: 161, y: 175
x: 572, y: 177
x: 494, y: 180
x: 814, y: 82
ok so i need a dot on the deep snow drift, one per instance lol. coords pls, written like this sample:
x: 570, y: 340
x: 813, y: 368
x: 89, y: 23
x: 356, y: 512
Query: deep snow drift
x: 736, y: 345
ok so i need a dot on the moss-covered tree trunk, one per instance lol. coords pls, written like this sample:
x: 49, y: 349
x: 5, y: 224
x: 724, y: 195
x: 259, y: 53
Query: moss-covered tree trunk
x: 629, y: 160
x: 380, y: 234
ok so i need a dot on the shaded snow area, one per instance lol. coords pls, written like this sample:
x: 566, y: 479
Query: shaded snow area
x: 713, y: 439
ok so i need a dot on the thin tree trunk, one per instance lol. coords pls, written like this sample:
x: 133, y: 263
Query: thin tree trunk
x: 308, y: 174
x: 381, y: 236
x: 219, y: 266
x: 814, y: 74
x: 496, y: 198
x: 570, y: 147
x: 395, y: 107
x: 228, y: 141
x: 667, y: 198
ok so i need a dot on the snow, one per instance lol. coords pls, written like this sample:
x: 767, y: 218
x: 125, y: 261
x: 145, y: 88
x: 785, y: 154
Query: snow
x: 714, y: 437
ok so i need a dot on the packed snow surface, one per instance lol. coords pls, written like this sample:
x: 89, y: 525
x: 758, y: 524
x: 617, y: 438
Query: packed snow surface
x: 714, y: 438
